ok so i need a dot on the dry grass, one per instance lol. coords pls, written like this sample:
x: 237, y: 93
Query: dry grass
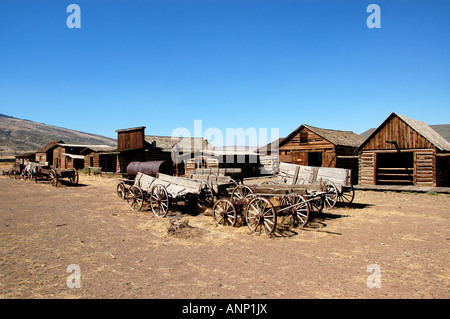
x: 128, y: 254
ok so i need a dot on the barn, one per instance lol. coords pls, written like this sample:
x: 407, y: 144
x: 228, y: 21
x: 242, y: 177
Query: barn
x: 404, y: 151
x: 313, y: 146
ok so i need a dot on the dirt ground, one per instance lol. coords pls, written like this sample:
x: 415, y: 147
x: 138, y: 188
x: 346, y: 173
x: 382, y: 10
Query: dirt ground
x: 126, y: 254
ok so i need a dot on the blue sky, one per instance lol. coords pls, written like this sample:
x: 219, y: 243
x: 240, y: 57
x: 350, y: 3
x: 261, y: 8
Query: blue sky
x: 230, y: 63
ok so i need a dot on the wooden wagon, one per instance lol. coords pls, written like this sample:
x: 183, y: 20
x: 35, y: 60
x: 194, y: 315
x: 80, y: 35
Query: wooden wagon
x: 254, y: 205
x: 336, y: 180
x: 163, y: 191
x: 54, y: 175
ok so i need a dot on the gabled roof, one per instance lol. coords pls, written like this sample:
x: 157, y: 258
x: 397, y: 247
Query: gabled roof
x: 48, y: 146
x: 338, y: 138
x: 420, y: 127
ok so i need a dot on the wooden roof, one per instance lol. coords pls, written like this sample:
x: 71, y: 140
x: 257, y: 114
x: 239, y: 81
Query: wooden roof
x: 418, y: 126
x: 338, y: 138
x: 48, y: 146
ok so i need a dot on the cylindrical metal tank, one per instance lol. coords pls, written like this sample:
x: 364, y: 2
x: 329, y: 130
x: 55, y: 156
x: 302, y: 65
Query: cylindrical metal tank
x: 150, y: 168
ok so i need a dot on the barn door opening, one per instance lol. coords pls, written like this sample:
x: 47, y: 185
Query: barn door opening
x: 395, y: 168
x: 315, y: 159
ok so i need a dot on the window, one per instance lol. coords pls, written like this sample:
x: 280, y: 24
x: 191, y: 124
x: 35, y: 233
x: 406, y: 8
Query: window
x: 303, y: 137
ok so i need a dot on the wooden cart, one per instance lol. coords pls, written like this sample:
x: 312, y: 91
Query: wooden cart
x: 54, y: 175
x: 164, y: 191
x: 254, y: 205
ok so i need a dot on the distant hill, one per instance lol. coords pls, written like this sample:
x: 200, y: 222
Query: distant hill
x: 20, y: 136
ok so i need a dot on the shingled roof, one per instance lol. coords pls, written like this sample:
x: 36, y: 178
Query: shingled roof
x: 338, y: 138
x: 429, y: 132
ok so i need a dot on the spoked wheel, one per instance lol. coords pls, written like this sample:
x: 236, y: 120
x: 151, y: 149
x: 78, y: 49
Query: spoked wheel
x: 347, y: 195
x: 296, y: 210
x: 317, y: 203
x: 135, y: 198
x: 241, y: 194
x: 121, y: 190
x: 260, y: 215
x: 331, y: 197
x: 53, y: 176
x: 159, y: 200
x: 75, y: 178
x: 206, y: 198
x: 224, y: 213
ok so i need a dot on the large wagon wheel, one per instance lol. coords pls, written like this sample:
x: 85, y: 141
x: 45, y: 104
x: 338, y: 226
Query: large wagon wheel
x: 159, y: 200
x: 53, y: 176
x: 206, y: 198
x: 135, y: 198
x: 74, y: 178
x: 317, y: 203
x: 241, y: 194
x: 122, y: 190
x: 224, y: 212
x: 331, y: 196
x: 296, y: 210
x: 260, y: 215
x: 347, y: 195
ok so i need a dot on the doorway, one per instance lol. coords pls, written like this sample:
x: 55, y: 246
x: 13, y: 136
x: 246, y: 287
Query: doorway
x: 395, y: 168
x: 315, y: 159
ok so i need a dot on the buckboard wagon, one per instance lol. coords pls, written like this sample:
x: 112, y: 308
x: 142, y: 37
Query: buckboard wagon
x: 54, y: 175
x: 254, y: 205
x: 163, y: 191
x: 336, y: 180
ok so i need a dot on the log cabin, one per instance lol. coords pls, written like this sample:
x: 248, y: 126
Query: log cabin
x: 313, y: 146
x: 404, y: 151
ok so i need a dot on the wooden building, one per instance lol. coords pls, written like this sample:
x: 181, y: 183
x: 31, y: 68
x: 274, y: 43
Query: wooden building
x: 25, y: 157
x: 247, y: 162
x: 133, y: 145
x: 45, y: 153
x: 72, y: 155
x: 313, y: 146
x: 404, y: 151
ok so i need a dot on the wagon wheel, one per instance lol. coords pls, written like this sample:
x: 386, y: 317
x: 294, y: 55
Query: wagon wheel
x: 297, y: 210
x: 260, y: 215
x: 53, y: 176
x: 74, y: 179
x: 240, y: 194
x: 206, y: 198
x: 135, y: 198
x: 317, y: 203
x: 31, y: 175
x: 347, y: 195
x: 121, y: 190
x: 159, y: 200
x: 224, y: 212
x: 331, y: 196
